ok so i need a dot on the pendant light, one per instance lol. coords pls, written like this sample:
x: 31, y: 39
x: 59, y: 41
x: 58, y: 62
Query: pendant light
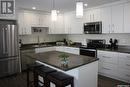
x: 79, y: 9
x: 54, y: 12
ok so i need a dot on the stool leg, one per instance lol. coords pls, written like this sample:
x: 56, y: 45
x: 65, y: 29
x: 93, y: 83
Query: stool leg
x: 72, y: 83
x: 27, y: 77
x: 35, y: 79
x: 46, y: 82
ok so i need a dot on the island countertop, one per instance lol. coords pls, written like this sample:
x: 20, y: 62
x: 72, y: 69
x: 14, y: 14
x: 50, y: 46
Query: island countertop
x: 52, y: 58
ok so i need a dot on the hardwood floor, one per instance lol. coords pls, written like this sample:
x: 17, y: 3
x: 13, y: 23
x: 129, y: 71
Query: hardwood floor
x: 108, y: 82
x: 19, y: 80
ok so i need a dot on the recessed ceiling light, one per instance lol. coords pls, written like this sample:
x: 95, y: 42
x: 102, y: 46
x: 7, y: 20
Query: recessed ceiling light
x: 86, y: 5
x: 34, y: 8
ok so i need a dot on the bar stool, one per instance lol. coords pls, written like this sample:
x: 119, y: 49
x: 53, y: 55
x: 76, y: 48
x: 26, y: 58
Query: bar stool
x: 60, y: 79
x: 42, y: 71
x: 31, y: 67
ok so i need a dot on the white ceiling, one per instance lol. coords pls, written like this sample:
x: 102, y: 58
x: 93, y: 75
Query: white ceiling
x: 62, y: 5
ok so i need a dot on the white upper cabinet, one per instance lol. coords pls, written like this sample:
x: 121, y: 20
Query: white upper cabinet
x: 67, y: 23
x: 24, y: 20
x: 45, y: 20
x: 92, y: 15
x: 76, y: 24
x: 127, y: 18
x: 117, y: 18
x: 20, y: 23
x: 73, y: 25
x: 112, y: 19
x: 35, y: 20
x: 57, y: 27
x: 106, y: 19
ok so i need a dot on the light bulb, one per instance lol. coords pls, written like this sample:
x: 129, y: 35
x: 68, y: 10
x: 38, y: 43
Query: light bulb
x: 54, y: 15
x: 79, y: 9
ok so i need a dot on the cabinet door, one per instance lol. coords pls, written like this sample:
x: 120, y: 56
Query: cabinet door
x: 127, y: 18
x: 96, y: 15
x: 59, y: 25
x: 88, y: 16
x: 45, y: 20
x: 108, y: 68
x: 76, y: 25
x: 124, y: 60
x: 106, y: 19
x: 67, y: 23
x: 117, y: 19
x: 20, y: 23
x: 34, y: 19
x: 108, y: 57
x: 27, y: 23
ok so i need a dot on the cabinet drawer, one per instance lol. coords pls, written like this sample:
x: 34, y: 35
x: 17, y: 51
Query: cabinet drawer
x: 72, y: 50
x: 45, y: 49
x: 109, y: 57
x: 124, y: 64
x: 124, y: 56
x: 108, y: 68
x: 124, y: 60
x: 60, y: 48
x: 124, y: 74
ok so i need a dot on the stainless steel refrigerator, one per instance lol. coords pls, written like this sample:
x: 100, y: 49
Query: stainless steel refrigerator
x: 9, y: 49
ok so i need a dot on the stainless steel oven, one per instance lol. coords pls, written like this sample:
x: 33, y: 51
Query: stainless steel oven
x: 91, y: 48
x: 88, y: 52
x: 93, y: 28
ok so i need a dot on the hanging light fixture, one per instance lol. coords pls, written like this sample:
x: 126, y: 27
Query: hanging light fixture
x: 79, y: 9
x: 54, y: 13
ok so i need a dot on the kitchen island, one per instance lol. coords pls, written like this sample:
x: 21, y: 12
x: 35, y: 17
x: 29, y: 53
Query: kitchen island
x: 84, y: 69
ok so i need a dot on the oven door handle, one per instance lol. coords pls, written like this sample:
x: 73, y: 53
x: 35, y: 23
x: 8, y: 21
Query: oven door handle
x: 88, y: 49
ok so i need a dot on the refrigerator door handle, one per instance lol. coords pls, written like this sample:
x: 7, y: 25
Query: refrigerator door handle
x: 3, y: 30
x: 7, y: 40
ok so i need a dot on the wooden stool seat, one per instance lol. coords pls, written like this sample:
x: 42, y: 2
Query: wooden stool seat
x: 31, y: 67
x: 60, y: 79
x: 42, y: 71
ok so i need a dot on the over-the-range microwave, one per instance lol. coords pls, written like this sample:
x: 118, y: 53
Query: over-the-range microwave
x: 93, y: 28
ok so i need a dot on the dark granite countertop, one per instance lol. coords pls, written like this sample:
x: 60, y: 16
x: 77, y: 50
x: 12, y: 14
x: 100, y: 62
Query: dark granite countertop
x: 51, y: 58
x: 124, y: 49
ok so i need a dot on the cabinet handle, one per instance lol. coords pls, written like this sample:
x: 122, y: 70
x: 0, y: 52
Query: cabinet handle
x: 90, y: 18
x: 128, y: 56
x: 106, y: 68
x: 93, y: 17
x: 106, y: 57
x: 127, y: 75
x: 109, y: 28
x: 113, y: 28
x: 127, y: 65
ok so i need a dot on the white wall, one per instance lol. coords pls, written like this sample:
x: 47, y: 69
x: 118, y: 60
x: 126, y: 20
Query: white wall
x: 124, y: 39
x: 44, y: 37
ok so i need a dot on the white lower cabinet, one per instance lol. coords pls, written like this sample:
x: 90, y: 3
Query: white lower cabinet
x: 108, y: 68
x: 124, y: 74
x: 124, y: 60
x: 115, y: 65
x: 60, y: 48
x: 71, y: 50
x: 44, y: 49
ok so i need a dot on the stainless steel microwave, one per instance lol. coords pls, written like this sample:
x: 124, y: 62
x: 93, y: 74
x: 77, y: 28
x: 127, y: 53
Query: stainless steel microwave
x: 93, y: 28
